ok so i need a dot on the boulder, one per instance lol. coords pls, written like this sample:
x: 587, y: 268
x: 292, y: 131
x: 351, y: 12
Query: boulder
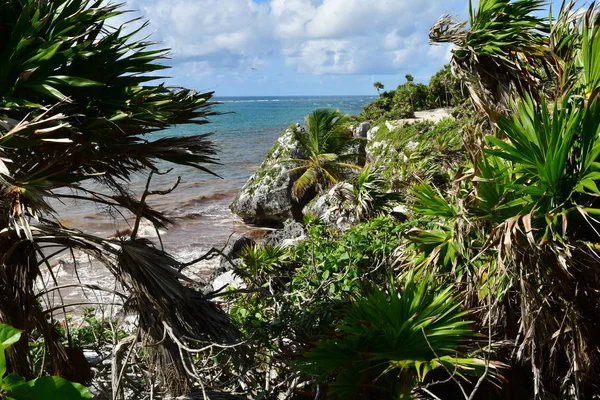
x: 371, y: 133
x: 332, y: 208
x: 291, y: 233
x: 362, y: 130
x: 227, y: 279
x: 400, y: 213
x: 233, y: 250
x: 266, y: 198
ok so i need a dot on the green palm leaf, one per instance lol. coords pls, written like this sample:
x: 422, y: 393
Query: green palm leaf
x: 386, y: 342
x: 328, y: 147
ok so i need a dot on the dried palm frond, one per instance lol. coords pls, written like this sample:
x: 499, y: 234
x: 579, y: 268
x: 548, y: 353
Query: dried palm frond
x: 177, y: 315
x: 76, y: 105
x: 498, y: 54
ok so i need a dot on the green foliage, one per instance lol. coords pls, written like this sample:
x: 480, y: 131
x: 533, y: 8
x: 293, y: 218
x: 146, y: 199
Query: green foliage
x: 368, y: 196
x: 298, y: 291
x: 445, y: 89
x: 530, y: 191
x: 435, y: 152
x: 430, y: 202
x: 550, y: 160
x: 77, y: 103
x: 15, y: 387
x: 503, y: 52
x: 329, y: 147
x: 415, y: 95
x: 94, y: 332
x: 385, y: 343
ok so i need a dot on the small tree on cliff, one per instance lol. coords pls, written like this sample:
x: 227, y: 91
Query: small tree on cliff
x: 74, y: 109
x: 379, y: 86
x: 329, y: 147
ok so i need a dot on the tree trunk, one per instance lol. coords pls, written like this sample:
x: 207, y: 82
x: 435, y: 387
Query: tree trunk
x: 18, y: 272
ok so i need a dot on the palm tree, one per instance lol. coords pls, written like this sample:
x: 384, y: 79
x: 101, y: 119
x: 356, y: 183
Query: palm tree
x: 379, y: 86
x: 501, y: 52
x: 329, y: 149
x: 533, y: 199
x: 75, y: 107
x: 386, y: 343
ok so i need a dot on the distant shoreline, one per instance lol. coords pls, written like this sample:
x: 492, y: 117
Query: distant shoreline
x: 222, y: 98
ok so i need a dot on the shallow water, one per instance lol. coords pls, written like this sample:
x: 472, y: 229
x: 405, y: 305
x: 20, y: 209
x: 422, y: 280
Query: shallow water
x: 243, y: 134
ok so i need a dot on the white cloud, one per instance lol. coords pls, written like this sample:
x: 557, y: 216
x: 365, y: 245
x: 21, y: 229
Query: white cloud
x: 311, y: 36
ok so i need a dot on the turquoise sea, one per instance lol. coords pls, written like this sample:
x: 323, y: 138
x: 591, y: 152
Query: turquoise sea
x: 243, y: 134
x: 248, y: 126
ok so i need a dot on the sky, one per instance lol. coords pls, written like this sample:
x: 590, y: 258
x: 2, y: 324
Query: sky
x: 297, y: 47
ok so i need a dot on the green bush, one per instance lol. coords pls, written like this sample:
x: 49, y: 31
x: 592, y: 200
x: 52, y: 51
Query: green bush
x: 15, y: 387
x: 387, y: 342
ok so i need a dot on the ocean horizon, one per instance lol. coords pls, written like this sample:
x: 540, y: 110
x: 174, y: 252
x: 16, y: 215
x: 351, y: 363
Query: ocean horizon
x: 243, y: 134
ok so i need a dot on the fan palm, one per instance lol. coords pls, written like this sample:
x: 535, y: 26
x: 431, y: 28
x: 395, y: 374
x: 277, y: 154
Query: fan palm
x: 386, y: 343
x: 500, y: 52
x: 75, y: 108
x: 329, y: 149
x: 532, y: 202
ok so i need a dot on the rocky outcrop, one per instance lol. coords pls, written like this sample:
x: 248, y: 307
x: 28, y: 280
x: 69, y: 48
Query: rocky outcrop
x: 224, y: 275
x: 227, y: 280
x: 266, y: 198
x: 332, y: 209
x: 361, y: 130
x: 233, y: 250
x: 291, y: 233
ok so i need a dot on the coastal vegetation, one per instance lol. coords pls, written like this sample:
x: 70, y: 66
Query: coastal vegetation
x: 499, y: 225
x: 443, y: 90
x: 76, y: 111
x: 467, y: 265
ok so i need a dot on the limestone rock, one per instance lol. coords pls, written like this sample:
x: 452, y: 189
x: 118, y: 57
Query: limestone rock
x: 291, y: 233
x: 331, y: 209
x: 400, y: 213
x: 362, y: 130
x: 228, y: 279
x: 233, y: 250
x: 266, y: 198
x: 411, y: 146
x: 371, y: 133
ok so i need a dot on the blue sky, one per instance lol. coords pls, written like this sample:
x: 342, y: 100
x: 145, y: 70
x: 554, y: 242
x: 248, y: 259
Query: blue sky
x: 297, y: 47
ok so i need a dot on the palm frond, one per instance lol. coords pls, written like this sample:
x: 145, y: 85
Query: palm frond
x: 391, y: 340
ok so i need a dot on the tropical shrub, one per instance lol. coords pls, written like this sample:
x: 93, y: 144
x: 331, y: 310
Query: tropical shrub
x: 530, y: 193
x: 293, y: 298
x: 386, y: 343
x: 75, y: 111
x: 15, y: 387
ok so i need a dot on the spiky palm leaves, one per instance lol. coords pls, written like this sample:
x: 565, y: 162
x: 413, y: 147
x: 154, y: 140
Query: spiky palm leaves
x: 329, y: 150
x: 530, y: 203
x: 546, y: 238
x: 74, y: 108
x: 386, y: 343
x: 497, y: 55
